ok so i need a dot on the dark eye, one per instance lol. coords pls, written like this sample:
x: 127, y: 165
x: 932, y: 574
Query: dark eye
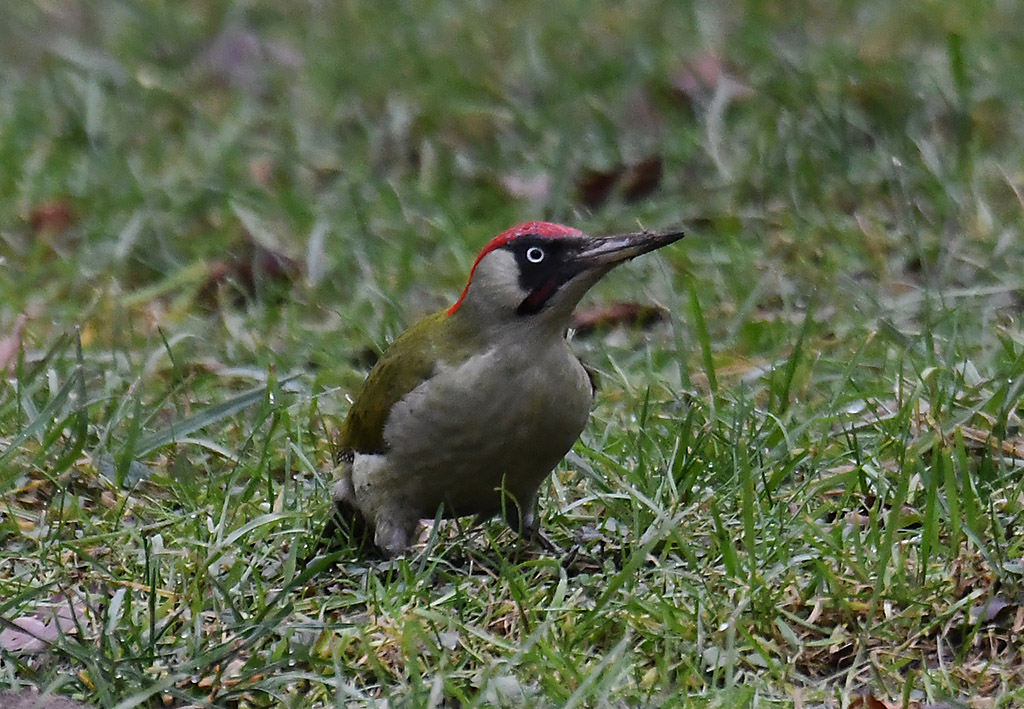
x: 535, y: 254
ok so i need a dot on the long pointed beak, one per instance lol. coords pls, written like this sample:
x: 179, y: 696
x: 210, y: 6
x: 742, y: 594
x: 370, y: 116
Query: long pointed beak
x: 611, y: 250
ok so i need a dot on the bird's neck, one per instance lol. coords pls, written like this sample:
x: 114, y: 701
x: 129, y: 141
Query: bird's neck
x: 510, y: 331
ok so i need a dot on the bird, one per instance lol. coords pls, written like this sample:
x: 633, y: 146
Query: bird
x: 471, y: 408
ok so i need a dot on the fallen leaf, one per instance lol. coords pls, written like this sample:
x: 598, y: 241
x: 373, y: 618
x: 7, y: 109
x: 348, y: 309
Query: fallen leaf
x: 50, y: 217
x: 607, y: 316
x: 242, y: 59
x: 251, y: 265
x: 634, y: 182
x: 595, y: 186
x: 32, y: 633
x: 870, y: 701
x: 815, y: 613
x: 31, y: 699
x: 1013, y: 447
x: 67, y: 617
x: 642, y: 179
x: 29, y: 634
x: 990, y: 609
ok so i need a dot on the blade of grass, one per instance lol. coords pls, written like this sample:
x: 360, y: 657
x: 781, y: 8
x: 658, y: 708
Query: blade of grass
x: 703, y: 339
x: 204, y: 418
x: 42, y: 421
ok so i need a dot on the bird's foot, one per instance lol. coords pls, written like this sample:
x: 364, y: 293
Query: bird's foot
x: 393, y: 533
x: 544, y: 542
x: 573, y: 559
x: 344, y: 528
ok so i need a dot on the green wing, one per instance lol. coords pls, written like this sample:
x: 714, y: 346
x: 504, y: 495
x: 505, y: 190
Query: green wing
x: 408, y: 362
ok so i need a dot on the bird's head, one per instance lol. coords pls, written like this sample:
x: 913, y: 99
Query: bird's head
x: 539, y: 271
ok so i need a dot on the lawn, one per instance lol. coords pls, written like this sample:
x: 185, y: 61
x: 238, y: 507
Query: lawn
x: 800, y: 486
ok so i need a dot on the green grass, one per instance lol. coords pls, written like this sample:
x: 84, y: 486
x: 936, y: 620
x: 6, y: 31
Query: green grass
x: 804, y: 487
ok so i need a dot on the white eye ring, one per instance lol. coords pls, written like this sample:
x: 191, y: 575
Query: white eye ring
x: 535, y: 254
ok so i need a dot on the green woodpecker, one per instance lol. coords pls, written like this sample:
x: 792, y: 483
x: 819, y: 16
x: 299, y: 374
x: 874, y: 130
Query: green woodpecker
x: 471, y: 408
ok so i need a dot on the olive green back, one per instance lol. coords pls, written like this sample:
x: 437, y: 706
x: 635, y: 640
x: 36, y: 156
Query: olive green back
x: 408, y: 362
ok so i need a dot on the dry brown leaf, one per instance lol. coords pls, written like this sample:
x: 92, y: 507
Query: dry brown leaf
x: 870, y: 701
x: 815, y: 611
x: 251, y: 264
x: 990, y: 609
x: 595, y: 186
x: 1013, y: 447
x: 634, y: 182
x: 51, y: 217
x: 30, y: 634
x: 642, y: 179
x: 607, y: 316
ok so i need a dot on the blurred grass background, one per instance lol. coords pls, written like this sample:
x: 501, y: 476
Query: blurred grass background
x: 802, y: 488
